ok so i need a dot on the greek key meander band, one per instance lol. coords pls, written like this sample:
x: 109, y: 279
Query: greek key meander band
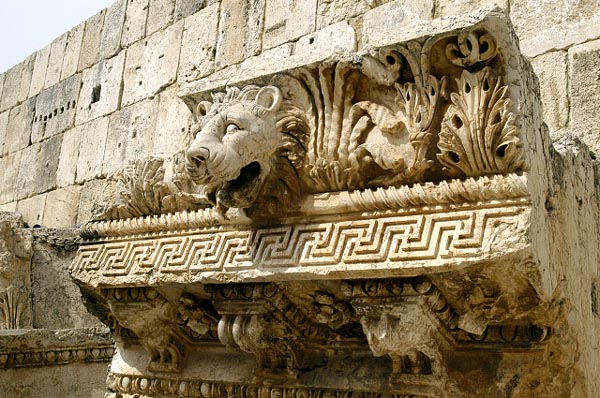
x: 380, y: 239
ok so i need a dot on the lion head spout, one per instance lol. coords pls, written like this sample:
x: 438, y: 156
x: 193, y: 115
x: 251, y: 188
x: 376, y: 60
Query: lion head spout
x: 249, y: 148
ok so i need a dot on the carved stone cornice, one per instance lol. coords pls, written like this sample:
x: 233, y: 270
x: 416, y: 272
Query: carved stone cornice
x: 194, y: 388
x: 23, y: 348
x: 378, y: 209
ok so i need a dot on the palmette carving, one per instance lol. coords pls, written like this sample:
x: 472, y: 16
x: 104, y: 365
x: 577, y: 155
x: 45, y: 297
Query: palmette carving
x: 12, y: 306
x: 479, y: 132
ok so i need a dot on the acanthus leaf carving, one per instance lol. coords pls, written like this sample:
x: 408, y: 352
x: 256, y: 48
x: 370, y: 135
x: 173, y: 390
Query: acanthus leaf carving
x: 479, y: 132
x: 154, y: 185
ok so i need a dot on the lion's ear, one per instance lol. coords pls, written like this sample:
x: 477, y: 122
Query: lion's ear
x: 203, y: 108
x: 269, y: 97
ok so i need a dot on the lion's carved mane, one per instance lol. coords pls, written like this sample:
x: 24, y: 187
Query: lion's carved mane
x: 249, y: 149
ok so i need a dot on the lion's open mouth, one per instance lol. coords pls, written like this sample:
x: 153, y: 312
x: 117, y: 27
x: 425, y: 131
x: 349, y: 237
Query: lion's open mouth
x: 242, y: 191
x: 247, y: 174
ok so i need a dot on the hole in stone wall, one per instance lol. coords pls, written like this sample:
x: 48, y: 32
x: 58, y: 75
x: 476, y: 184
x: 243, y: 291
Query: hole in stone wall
x: 96, y: 94
x: 595, y: 299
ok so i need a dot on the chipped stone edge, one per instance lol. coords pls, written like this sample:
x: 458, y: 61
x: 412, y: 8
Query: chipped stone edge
x: 405, y: 198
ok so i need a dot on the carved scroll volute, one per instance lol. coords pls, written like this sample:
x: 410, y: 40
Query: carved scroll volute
x: 471, y: 48
x: 479, y: 132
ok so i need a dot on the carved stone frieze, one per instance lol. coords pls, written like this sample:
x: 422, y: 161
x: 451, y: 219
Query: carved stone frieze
x: 392, y: 243
x: 380, y: 118
x: 35, y: 347
x: 346, y: 228
x: 156, y: 386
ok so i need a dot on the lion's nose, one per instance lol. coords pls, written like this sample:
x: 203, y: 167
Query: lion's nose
x: 197, y: 156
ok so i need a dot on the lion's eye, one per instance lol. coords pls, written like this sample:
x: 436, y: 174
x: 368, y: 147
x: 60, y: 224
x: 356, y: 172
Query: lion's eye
x: 232, y: 127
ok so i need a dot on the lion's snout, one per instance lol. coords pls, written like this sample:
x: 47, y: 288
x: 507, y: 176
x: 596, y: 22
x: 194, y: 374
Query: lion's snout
x: 196, y: 156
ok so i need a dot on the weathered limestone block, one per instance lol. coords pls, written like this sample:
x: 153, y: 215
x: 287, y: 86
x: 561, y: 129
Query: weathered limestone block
x: 332, y: 11
x: 584, y: 92
x: 315, y: 47
x: 90, y: 45
x: 268, y: 59
x: 26, y: 76
x: 198, y: 45
x: 335, y: 38
x: 72, y: 51
x: 114, y: 19
x: 130, y: 135
x: 551, y: 70
x: 398, y: 19
x: 576, y: 235
x: 56, y: 300
x: 15, y: 283
x: 8, y: 178
x: 554, y: 24
x: 61, y: 207
x: 55, y: 109
x: 240, y: 29
x: 101, y: 90
x: 135, y: 22
x: 445, y: 8
x: 185, y: 8
x: 9, y: 207
x: 38, y: 77
x: 160, y: 15
x: 69, y: 153
x: 32, y: 210
x: 285, y: 21
x: 3, y: 130
x: 55, y: 60
x: 12, y: 85
x: 33, y: 180
x: 91, y: 149
x: 173, y: 122
x: 18, y: 130
x: 151, y: 64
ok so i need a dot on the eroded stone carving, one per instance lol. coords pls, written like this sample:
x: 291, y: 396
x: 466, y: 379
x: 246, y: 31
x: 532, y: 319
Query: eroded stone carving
x: 332, y: 218
x: 382, y: 118
x: 479, y: 131
x: 15, y: 257
x: 251, y: 141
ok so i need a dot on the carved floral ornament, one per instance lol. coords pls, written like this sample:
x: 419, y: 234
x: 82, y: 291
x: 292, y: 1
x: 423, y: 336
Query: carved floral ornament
x: 386, y: 118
